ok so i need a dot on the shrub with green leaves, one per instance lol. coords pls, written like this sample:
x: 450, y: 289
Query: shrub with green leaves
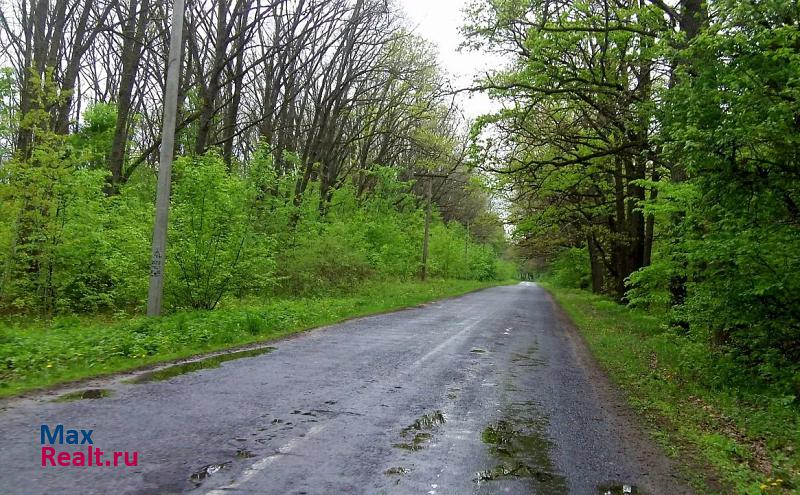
x: 570, y: 269
x: 69, y: 244
x: 215, y: 250
x: 55, y: 257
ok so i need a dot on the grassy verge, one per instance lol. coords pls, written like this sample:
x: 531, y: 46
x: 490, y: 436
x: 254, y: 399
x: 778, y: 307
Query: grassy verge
x: 36, y: 355
x: 728, y: 440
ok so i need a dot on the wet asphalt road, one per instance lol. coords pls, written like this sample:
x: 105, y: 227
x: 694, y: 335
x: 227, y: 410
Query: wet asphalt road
x: 491, y: 392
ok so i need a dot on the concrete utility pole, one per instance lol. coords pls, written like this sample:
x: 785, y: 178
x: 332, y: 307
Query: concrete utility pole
x: 156, y: 290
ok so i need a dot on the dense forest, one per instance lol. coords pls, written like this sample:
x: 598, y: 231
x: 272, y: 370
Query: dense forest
x: 642, y: 149
x: 650, y: 152
x: 313, y: 139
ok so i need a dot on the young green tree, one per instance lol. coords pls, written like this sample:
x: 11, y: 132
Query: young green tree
x: 217, y: 252
x: 732, y: 121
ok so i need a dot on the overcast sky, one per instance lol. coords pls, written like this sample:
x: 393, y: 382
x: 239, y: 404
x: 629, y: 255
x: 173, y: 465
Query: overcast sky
x: 439, y: 21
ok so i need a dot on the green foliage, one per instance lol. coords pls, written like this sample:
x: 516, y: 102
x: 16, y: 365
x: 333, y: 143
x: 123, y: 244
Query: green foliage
x: 570, y: 269
x: 55, y: 257
x: 507, y: 270
x: 215, y: 249
x: 128, y: 234
x: 598, y: 135
x: 364, y: 237
x: 714, y: 361
x: 56, y: 253
x: 648, y: 287
x: 732, y: 123
x: 8, y: 116
x: 93, y: 141
x: 454, y: 255
x: 68, y: 247
x: 335, y: 260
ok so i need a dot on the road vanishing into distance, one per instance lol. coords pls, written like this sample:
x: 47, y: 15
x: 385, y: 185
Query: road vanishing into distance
x: 491, y: 392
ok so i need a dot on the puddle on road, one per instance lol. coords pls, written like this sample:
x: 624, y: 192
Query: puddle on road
x: 244, y: 454
x: 91, y: 393
x: 417, y: 443
x: 425, y: 422
x: 452, y: 393
x: 307, y: 413
x: 519, y: 444
x: 204, y: 472
x: 396, y: 471
x: 618, y: 489
x: 421, y: 438
x: 212, y: 362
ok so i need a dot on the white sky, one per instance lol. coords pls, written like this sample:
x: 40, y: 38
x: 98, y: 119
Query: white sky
x: 439, y: 21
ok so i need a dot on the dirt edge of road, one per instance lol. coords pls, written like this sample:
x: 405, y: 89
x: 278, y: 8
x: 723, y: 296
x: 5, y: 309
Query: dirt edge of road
x: 665, y: 475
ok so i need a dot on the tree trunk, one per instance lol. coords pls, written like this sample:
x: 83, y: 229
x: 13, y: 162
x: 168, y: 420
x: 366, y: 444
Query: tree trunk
x: 597, y: 265
x: 131, y: 54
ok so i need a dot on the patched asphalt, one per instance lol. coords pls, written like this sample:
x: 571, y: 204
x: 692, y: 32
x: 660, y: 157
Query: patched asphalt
x: 491, y: 392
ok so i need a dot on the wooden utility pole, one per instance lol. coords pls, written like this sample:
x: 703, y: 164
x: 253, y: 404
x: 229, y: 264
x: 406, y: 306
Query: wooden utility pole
x: 157, y: 261
x: 429, y: 190
x: 466, y: 243
x: 429, y: 194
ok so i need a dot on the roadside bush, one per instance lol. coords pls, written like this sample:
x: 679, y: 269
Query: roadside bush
x: 69, y: 247
x: 447, y: 256
x: 392, y: 236
x: 325, y: 263
x: 214, y: 251
x: 570, y: 269
x: 129, y: 234
x: 648, y: 287
x: 506, y: 270
x: 55, y: 258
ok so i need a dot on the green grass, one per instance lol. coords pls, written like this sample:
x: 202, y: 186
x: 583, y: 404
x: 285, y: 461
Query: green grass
x: 41, y: 354
x: 727, y: 440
